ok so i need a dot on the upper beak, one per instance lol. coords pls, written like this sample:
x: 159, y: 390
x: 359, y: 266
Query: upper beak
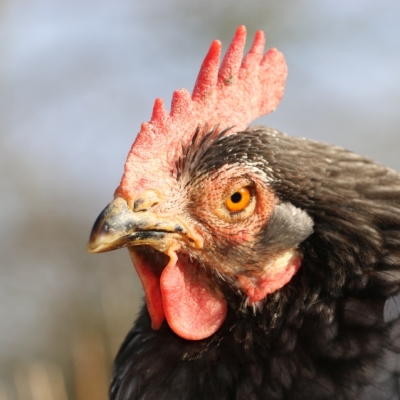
x: 119, y: 226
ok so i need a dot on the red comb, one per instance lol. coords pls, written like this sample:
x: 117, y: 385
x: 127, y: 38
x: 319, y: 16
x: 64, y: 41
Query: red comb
x: 232, y: 95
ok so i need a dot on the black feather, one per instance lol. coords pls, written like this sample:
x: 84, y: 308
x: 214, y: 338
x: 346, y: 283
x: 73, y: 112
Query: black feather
x: 333, y: 332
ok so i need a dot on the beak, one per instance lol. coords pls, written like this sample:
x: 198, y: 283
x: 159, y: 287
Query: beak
x: 119, y: 226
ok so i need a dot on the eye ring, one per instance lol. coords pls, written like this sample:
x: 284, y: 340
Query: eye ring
x: 239, y: 200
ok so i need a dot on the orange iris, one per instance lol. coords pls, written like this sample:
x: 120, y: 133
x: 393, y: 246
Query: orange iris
x: 239, y: 200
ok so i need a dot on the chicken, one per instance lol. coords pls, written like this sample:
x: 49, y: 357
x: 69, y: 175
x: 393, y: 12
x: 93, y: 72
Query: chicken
x: 270, y: 264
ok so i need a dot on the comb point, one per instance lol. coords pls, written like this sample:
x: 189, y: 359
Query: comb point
x: 159, y: 112
x: 233, y: 57
x: 207, y: 78
x: 259, y: 43
x: 251, y: 62
x: 181, y: 103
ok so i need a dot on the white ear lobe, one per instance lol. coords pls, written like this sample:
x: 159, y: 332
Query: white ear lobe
x: 287, y: 227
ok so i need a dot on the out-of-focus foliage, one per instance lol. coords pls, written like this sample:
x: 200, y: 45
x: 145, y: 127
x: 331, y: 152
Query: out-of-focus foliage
x: 76, y: 80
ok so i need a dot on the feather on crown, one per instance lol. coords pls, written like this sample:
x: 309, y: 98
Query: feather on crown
x: 232, y: 95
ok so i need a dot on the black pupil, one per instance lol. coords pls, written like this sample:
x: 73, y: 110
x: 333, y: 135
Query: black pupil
x: 236, y: 197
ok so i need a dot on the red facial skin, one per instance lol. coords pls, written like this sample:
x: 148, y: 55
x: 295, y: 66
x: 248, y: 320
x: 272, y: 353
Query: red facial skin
x: 182, y: 292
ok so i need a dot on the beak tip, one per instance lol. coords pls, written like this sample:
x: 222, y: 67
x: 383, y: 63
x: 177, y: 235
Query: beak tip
x: 97, y: 245
x: 90, y: 248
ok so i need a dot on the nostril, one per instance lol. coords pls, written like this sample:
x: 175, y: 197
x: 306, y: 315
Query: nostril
x: 147, y: 199
x: 142, y: 205
x: 137, y: 205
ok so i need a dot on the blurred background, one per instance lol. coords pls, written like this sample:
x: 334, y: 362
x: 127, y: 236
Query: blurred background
x: 76, y: 80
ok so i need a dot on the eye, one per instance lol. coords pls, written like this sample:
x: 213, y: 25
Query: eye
x: 239, y: 200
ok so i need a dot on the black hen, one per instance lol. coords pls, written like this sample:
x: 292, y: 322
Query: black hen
x: 270, y: 264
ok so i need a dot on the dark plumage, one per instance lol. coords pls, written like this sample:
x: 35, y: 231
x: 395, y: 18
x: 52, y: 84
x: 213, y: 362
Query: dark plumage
x: 325, y: 335
x: 270, y: 264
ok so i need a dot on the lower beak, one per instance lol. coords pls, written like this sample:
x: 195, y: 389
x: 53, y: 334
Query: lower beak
x: 118, y: 226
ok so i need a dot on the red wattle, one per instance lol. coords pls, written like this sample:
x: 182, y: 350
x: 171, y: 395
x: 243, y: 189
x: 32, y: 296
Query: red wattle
x: 182, y: 296
x: 151, y: 286
x: 192, y: 309
x: 272, y: 281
